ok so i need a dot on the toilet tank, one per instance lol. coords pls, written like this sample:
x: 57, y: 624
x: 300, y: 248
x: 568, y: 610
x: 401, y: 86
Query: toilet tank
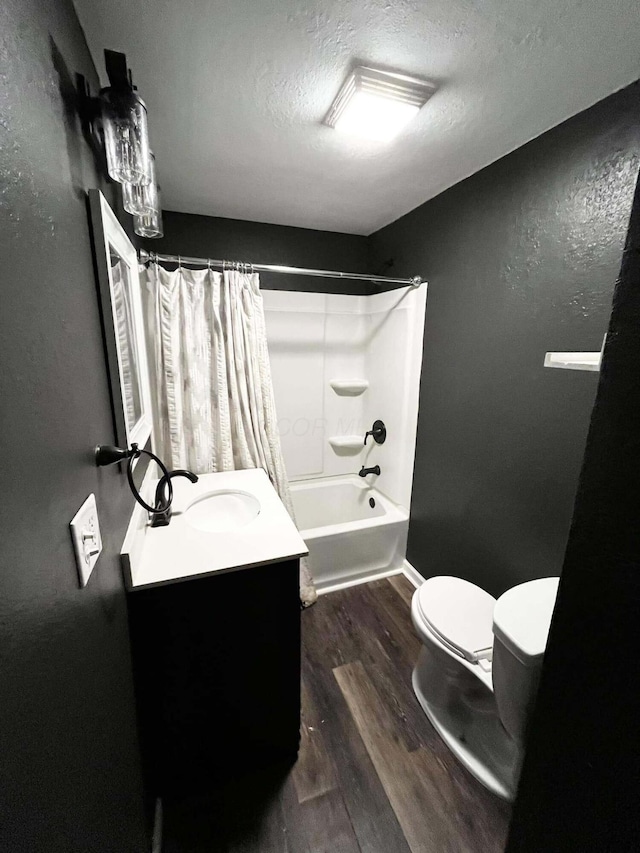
x: 521, y: 620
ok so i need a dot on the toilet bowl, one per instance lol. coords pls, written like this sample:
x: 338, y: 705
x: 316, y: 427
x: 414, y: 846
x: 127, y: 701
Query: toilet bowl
x: 477, y: 674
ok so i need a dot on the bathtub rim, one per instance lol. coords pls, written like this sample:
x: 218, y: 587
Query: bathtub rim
x: 392, y: 512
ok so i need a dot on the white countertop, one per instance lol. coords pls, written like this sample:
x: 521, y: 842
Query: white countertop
x: 152, y: 556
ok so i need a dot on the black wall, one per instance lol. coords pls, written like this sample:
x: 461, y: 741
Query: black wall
x: 580, y: 784
x: 238, y: 240
x: 69, y: 765
x: 521, y: 258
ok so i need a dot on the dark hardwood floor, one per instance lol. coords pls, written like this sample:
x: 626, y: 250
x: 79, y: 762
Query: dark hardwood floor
x: 372, y: 775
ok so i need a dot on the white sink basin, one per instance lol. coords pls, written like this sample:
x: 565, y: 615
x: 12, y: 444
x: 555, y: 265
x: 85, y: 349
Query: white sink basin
x: 218, y: 512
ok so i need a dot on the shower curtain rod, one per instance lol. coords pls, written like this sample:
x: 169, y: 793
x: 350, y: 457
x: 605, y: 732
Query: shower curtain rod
x: 153, y: 257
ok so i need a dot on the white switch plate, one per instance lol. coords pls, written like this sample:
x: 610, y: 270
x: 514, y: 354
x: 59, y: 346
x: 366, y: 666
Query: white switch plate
x: 87, y: 542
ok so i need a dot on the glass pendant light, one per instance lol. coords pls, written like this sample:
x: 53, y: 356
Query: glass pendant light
x: 150, y: 224
x: 141, y: 200
x: 124, y: 122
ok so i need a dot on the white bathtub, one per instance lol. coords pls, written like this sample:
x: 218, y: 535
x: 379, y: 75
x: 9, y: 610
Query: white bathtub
x: 348, y: 540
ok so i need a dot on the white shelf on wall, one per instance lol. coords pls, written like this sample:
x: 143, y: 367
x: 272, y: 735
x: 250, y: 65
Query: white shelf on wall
x: 349, y: 387
x: 575, y: 360
x: 347, y: 445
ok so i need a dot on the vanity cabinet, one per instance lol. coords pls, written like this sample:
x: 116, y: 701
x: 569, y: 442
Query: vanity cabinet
x: 217, y: 675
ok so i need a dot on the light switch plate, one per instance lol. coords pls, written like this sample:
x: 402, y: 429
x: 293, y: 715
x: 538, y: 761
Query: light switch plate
x: 87, y: 542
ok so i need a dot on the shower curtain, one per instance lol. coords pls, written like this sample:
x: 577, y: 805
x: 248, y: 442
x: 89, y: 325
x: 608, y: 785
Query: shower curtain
x: 214, y: 407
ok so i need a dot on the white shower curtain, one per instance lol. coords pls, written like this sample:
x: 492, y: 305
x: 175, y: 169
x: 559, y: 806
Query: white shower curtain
x: 214, y: 407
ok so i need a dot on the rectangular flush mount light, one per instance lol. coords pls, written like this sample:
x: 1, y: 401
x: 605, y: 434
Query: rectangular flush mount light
x: 377, y: 104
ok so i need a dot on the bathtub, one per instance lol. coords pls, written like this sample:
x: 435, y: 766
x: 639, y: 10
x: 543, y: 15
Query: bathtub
x: 349, y: 540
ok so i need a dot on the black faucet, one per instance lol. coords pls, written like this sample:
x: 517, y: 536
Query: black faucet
x: 364, y: 471
x: 162, y: 514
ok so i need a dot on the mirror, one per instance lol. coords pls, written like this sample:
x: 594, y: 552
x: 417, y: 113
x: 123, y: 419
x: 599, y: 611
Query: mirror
x: 119, y: 283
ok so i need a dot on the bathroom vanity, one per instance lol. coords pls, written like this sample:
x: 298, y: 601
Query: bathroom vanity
x: 214, y: 618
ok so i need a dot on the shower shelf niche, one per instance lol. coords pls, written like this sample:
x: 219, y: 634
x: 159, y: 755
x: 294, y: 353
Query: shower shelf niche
x: 346, y: 445
x: 349, y: 387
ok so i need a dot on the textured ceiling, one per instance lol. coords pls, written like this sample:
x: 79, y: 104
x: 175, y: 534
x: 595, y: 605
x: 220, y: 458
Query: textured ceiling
x: 237, y: 91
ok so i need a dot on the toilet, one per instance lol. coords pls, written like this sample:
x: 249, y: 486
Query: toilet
x: 477, y: 674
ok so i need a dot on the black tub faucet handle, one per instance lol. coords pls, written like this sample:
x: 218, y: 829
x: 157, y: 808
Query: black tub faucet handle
x: 378, y: 431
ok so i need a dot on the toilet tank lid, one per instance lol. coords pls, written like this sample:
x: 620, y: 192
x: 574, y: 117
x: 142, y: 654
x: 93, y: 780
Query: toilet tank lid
x: 522, y: 617
x: 458, y: 612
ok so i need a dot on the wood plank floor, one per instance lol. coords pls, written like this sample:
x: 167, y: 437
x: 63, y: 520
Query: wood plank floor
x: 372, y: 775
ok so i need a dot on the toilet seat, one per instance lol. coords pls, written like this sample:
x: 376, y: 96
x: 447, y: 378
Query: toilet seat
x: 459, y: 614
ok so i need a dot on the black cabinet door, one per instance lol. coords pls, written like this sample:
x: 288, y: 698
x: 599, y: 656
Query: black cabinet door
x: 217, y: 672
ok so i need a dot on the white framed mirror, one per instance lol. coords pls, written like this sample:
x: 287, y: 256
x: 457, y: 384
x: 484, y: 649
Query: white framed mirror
x: 119, y: 285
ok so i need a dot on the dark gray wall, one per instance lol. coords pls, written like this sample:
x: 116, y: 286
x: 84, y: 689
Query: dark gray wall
x: 521, y: 258
x: 580, y: 785
x: 69, y: 768
x: 238, y: 240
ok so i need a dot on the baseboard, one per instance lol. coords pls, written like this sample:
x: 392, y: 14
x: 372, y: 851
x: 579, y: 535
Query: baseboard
x: 156, y: 841
x: 356, y: 581
x: 412, y: 574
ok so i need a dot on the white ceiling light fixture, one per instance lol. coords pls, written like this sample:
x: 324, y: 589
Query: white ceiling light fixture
x: 377, y: 104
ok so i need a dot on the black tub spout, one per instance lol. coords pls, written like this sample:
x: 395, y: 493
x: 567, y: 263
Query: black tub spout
x: 364, y: 471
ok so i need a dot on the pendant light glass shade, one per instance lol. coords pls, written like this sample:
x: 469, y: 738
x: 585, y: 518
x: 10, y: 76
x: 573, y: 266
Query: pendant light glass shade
x: 126, y: 136
x: 141, y: 200
x: 150, y: 224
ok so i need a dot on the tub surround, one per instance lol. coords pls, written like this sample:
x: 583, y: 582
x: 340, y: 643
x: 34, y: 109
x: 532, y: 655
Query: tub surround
x: 181, y: 551
x: 338, y: 364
